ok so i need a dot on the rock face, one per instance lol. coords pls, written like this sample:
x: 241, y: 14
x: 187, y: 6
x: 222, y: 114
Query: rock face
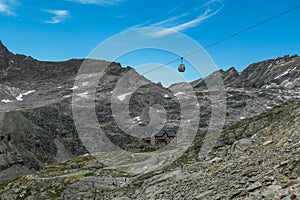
x: 256, y: 156
x: 280, y: 72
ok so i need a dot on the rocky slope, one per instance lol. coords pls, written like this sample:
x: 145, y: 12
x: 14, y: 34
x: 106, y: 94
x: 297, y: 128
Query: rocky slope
x: 257, y: 158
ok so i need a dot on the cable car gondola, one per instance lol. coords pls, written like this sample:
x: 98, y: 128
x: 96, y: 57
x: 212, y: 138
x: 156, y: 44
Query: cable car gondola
x: 181, y: 67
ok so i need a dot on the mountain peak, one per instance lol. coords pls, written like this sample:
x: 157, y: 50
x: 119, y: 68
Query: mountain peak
x: 1, y: 44
x: 278, y: 71
x: 3, y: 49
x: 232, y: 70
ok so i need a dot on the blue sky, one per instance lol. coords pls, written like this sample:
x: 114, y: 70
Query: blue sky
x: 63, y: 29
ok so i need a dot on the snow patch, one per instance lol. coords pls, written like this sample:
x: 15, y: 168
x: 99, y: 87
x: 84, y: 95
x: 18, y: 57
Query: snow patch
x: 137, y: 119
x: 74, y: 88
x: 241, y: 118
x: 294, y: 68
x: 83, y: 95
x: 123, y: 96
x: 20, y: 97
x: 179, y: 93
x: 59, y: 87
x: 284, y: 73
x: 67, y: 96
x: 167, y: 96
x: 85, y: 83
x: 28, y: 92
x: 6, y: 101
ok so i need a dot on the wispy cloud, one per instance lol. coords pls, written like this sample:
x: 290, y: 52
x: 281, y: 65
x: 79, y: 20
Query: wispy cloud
x: 146, y: 23
x: 186, y: 20
x: 186, y: 25
x: 98, y: 2
x: 6, y: 7
x: 168, y: 22
x: 59, y: 16
x: 211, y: 3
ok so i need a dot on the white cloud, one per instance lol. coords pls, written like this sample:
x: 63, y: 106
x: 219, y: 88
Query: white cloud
x: 6, y: 7
x: 168, y: 21
x: 98, y: 2
x: 59, y: 16
x: 212, y: 2
x: 186, y: 20
x: 188, y: 24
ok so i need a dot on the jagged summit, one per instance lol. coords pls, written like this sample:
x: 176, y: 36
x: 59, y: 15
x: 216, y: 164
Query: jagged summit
x: 232, y: 71
x: 227, y: 76
x: 278, y: 72
x: 4, y: 52
x: 1, y: 45
x: 282, y: 72
x: 5, y: 56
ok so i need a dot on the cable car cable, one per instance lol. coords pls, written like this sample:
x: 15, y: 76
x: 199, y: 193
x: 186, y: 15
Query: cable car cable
x: 229, y: 37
